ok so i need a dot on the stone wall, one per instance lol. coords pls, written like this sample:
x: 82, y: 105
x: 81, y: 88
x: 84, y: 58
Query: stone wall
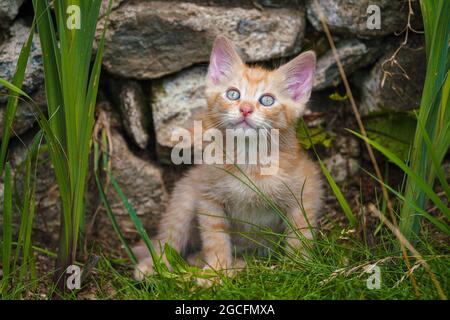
x: 155, y: 62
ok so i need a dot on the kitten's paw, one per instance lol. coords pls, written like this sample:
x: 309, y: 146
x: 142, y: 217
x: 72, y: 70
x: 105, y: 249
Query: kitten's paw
x: 298, y: 248
x: 239, y: 265
x: 209, y: 277
x: 196, y: 260
x: 299, y: 253
x: 143, y: 269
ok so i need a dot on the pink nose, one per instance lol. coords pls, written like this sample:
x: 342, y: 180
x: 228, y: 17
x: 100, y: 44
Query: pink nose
x: 246, y: 110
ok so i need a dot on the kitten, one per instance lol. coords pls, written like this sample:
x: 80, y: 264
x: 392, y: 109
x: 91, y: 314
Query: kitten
x: 210, y: 203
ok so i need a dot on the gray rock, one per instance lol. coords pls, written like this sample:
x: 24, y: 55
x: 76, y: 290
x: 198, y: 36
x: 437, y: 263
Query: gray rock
x: 258, y: 4
x: 149, y: 39
x: 134, y: 110
x: 350, y: 16
x: 353, y: 55
x: 105, y: 4
x: 142, y: 183
x: 8, y: 11
x: 176, y: 100
x: 342, y: 158
x: 403, y: 84
x: 9, y: 54
x: 341, y: 167
x: 347, y: 146
x: 25, y: 113
x: 23, y: 120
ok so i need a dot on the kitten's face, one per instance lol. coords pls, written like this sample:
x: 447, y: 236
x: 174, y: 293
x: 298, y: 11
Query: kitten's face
x: 243, y: 97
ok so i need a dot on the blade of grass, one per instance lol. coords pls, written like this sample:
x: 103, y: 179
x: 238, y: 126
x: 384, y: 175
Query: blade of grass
x: 440, y: 225
x: 334, y: 187
x: 15, y: 90
x: 434, y: 158
x: 136, y: 221
x: 409, y: 172
x: 408, y: 245
x: 436, y: 23
x: 338, y: 193
x: 107, y: 207
x: 7, y: 230
x: 23, y: 254
x: 71, y: 87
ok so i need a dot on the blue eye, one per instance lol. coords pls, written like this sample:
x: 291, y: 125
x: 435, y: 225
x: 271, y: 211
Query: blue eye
x: 233, y: 94
x: 267, y: 100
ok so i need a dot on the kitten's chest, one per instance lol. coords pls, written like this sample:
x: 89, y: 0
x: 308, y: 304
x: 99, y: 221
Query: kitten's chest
x: 248, y: 216
x: 251, y: 219
x: 241, y: 191
x: 253, y: 227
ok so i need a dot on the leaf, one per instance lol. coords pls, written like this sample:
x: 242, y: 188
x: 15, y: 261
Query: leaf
x: 15, y: 90
x: 394, y: 131
x: 337, y: 192
x: 7, y: 229
x: 409, y: 172
x: 336, y: 96
x: 108, y: 209
x: 318, y: 135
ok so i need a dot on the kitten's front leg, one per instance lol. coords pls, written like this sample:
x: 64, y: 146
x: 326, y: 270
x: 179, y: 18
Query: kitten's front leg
x: 300, y: 226
x: 145, y: 265
x: 216, y: 242
x: 214, y: 227
x: 174, y: 228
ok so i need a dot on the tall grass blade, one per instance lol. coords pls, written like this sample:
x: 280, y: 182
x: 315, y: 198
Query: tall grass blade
x: 433, y: 114
x: 7, y: 230
x: 107, y: 207
x: 14, y: 91
x: 434, y: 159
x: 439, y: 224
x: 334, y: 187
x: 339, y: 195
x: 23, y: 264
x: 71, y: 84
x: 419, y: 181
x: 134, y: 217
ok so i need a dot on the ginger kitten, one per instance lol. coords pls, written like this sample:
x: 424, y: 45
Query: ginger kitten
x: 208, y: 205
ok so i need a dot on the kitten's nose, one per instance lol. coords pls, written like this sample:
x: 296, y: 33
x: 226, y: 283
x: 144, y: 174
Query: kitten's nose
x: 246, y: 109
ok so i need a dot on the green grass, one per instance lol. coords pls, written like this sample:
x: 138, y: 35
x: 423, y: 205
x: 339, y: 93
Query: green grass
x: 287, y: 278
x: 335, y: 270
x: 7, y: 230
x: 71, y: 86
x: 433, y: 117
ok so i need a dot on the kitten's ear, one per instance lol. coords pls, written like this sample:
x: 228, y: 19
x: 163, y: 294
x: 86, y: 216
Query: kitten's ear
x: 224, y: 59
x: 297, y: 76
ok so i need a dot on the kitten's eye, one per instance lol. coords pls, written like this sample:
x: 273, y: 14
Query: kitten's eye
x: 267, y: 100
x: 233, y: 94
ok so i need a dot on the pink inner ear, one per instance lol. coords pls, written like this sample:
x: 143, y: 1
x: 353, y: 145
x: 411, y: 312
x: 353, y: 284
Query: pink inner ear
x: 299, y: 76
x: 300, y: 83
x: 223, y: 59
x: 218, y: 64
